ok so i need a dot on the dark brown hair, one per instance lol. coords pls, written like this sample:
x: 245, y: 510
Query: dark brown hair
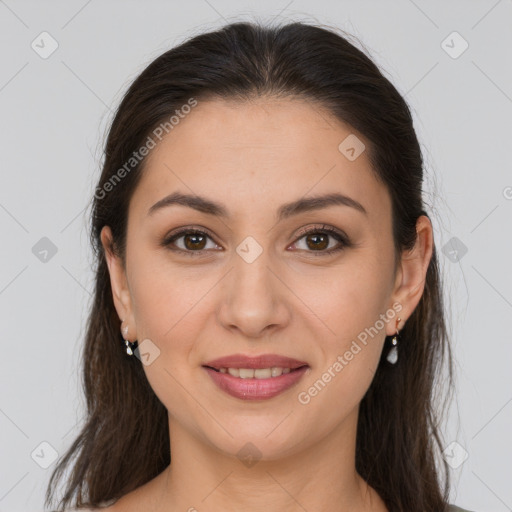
x: 124, y: 442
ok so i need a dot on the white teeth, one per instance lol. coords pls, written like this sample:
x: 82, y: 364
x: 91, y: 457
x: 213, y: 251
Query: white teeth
x: 263, y: 373
x: 276, y: 371
x: 245, y: 373
x: 258, y: 373
x: 234, y: 371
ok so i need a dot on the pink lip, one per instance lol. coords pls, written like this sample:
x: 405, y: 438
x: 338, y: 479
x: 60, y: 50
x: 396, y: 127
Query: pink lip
x: 261, y: 361
x: 255, y: 389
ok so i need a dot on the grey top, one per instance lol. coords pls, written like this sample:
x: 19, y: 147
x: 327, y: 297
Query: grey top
x: 454, y: 508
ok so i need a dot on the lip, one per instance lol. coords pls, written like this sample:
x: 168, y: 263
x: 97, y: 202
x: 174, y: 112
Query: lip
x: 255, y: 389
x: 260, y: 361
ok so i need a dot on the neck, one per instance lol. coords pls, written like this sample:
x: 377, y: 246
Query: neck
x: 320, y: 476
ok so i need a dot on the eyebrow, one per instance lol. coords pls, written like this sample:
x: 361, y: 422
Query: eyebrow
x: 285, y: 211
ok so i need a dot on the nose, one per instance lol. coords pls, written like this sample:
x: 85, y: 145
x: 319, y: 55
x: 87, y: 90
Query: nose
x: 254, y: 298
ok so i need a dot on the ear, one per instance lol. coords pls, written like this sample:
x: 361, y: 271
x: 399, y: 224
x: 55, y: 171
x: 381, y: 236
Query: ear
x: 119, y: 284
x: 411, y: 274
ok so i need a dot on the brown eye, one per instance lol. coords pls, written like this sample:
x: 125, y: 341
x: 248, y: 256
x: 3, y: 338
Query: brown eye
x: 317, y: 241
x: 194, y: 241
x: 188, y: 241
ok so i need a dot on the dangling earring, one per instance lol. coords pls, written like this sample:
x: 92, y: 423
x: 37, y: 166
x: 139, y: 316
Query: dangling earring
x: 130, y: 347
x: 392, y: 356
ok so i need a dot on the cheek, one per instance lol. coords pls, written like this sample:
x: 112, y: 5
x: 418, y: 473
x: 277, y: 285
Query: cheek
x: 346, y: 300
x: 350, y: 308
x: 165, y: 298
x: 334, y: 391
x: 171, y: 308
x: 168, y: 311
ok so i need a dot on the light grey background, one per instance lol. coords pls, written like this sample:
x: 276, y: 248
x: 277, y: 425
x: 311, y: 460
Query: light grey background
x: 54, y: 113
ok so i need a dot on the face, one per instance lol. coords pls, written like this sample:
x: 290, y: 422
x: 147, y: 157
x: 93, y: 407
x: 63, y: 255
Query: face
x: 318, y: 285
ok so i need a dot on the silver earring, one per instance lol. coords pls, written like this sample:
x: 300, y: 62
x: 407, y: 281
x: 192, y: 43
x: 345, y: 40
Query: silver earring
x: 392, y: 356
x: 130, y: 347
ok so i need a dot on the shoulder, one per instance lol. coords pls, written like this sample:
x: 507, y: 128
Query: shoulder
x: 106, y: 507
x: 85, y: 509
x: 101, y: 509
x: 454, y: 508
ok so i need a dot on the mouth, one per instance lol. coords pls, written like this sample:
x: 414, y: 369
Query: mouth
x: 255, y: 377
x: 256, y: 373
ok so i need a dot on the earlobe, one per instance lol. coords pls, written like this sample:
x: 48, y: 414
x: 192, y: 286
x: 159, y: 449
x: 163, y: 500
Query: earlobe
x: 411, y: 275
x: 118, y: 281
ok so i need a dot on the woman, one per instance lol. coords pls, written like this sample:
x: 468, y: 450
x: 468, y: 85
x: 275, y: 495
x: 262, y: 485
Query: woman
x: 268, y: 307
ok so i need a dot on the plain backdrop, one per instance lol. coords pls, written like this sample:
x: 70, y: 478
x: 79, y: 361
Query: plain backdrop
x: 64, y: 68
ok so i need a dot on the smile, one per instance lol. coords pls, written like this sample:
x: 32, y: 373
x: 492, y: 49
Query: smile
x: 255, y: 383
x: 254, y: 373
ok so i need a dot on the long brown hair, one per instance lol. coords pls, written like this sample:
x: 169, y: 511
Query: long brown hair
x: 124, y: 442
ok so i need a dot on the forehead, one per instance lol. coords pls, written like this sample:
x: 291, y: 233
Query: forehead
x: 258, y: 153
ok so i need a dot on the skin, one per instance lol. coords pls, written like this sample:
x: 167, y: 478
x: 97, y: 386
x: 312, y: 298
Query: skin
x: 292, y: 300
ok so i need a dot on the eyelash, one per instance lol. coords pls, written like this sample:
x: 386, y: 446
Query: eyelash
x: 343, y: 240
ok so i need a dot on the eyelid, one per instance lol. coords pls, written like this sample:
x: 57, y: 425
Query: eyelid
x: 174, y: 235
x: 321, y: 227
x: 187, y: 229
x: 343, y: 239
